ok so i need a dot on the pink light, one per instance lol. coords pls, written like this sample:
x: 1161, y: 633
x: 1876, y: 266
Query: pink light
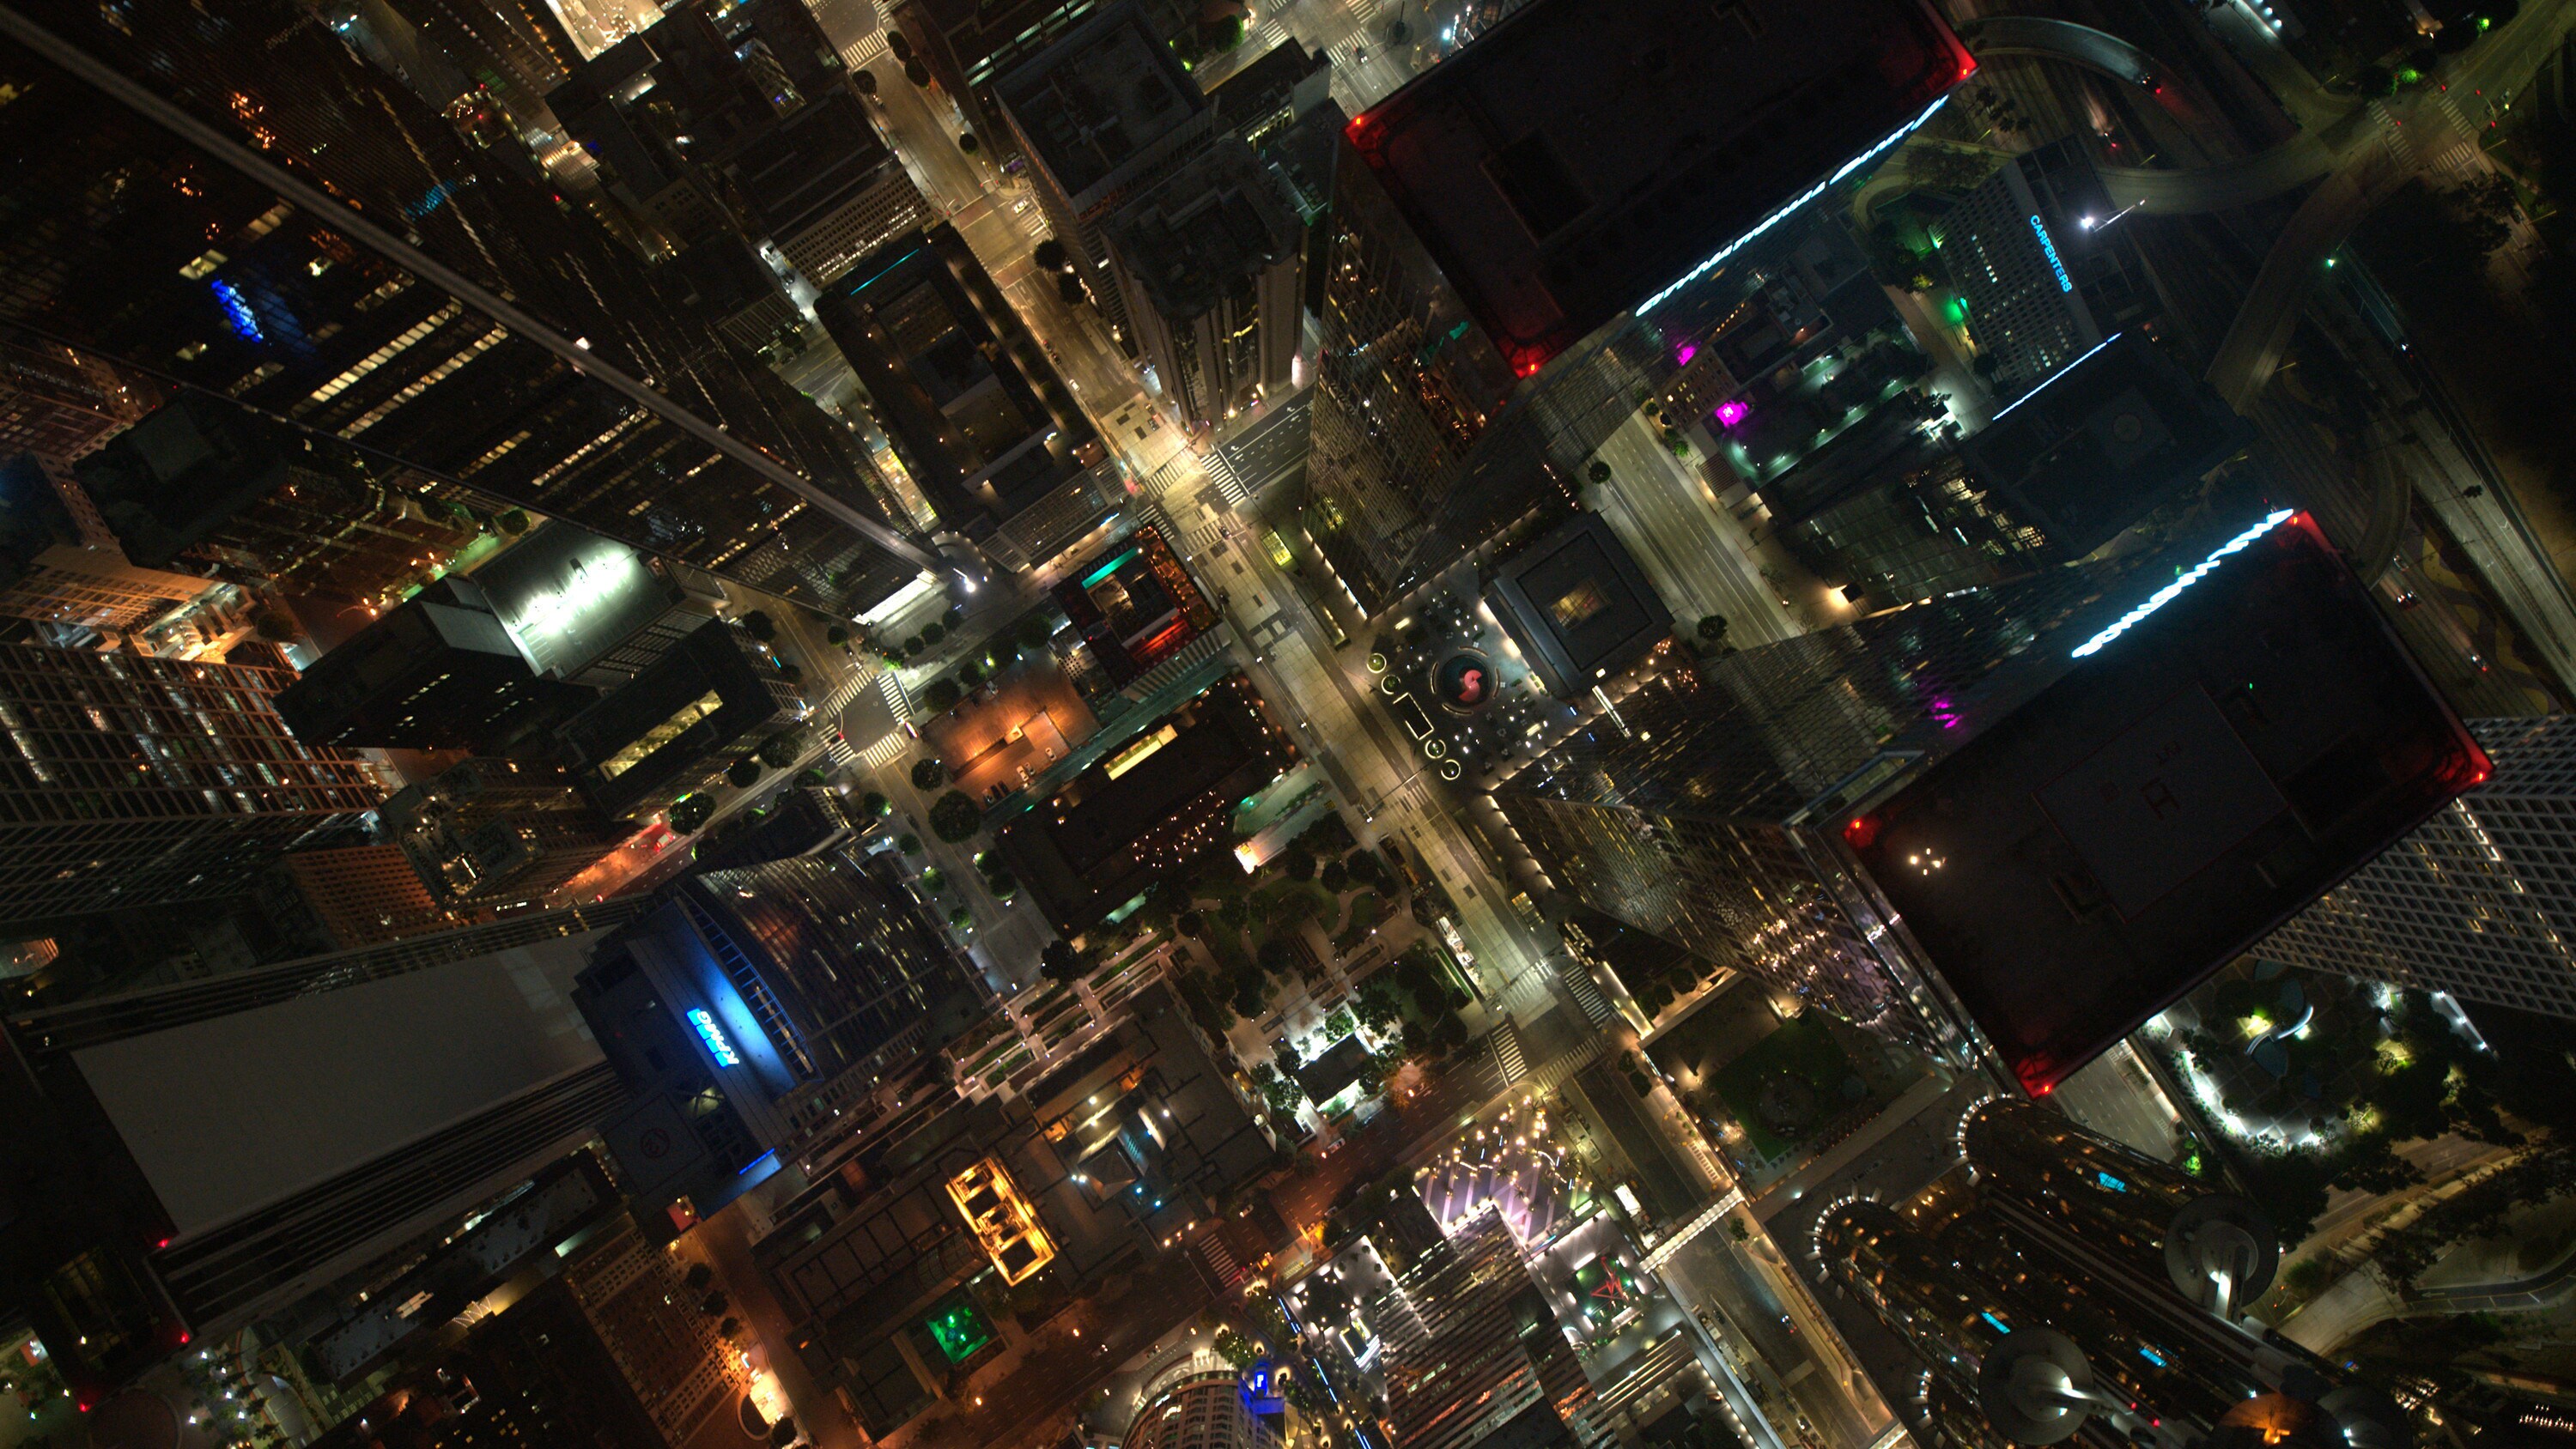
x: 1731, y: 412
x: 1683, y: 356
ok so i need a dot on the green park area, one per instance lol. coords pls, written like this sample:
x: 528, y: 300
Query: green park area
x: 1787, y: 1084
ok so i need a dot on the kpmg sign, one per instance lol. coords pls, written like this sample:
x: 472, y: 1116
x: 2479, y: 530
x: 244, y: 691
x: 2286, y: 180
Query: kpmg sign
x: 713, y: 1035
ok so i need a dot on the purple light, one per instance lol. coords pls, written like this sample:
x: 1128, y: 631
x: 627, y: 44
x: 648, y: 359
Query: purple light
x: 1683, y: 356
x: 1731, y: 412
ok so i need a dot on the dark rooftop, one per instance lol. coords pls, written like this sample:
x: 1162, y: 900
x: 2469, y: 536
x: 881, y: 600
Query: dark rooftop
x: 2189, y: 782
x: 1577, y: 605
x: 1221, y: 217
x: 2103, y: 441
x: 1099, y: 101
x: 1586, y: 153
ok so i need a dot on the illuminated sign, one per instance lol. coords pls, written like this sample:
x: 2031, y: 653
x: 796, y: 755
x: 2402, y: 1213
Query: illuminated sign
x: 237, y: 311
x: 2165, y: 595
x: 2048, y: 244
x: 713, y: 1035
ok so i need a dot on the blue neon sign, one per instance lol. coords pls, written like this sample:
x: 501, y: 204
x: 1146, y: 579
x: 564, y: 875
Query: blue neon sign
x: 713, y: 1035
x: 2048, y: 244
x: 2113, y: 1183
x: 2165, y: 595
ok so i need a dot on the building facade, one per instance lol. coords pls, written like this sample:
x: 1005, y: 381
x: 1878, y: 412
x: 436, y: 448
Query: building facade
x: 209, y: 279
x: 2479, y: 902
x: 135, y: 781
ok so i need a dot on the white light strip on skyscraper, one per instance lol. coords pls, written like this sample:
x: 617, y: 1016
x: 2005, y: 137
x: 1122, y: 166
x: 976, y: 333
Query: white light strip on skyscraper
x: 2165, y: 595
x: 1774, y: 219
x: 2052, y: 377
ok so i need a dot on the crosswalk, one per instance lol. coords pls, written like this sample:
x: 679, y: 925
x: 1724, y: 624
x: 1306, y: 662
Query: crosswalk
x: 1217, y: 1259
x: 1229, y: 485
x: 1579, y: 985
x: 1507, y: 1053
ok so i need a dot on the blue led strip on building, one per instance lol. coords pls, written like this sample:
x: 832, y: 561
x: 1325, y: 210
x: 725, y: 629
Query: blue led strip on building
x: 1774, y: 219
x: 2165, y: 595
x: 2048, y: 244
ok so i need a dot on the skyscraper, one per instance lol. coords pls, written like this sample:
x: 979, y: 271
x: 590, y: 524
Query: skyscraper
x: 1473, y: 1351
x: 2044, y: 278
x: 1210, y: 265
x: 198, y: 1155
x: 985, y: 427
x: 1102, y: 114
x: 203, y: 482
x: 1482, y: 245
x: 2077, y: 778
x: 134, y: 781
x: 2479, y: 901
x: 437, y: 672
x: 334, y: 254
x: 1198, y: 1404
x: 755, y: 1007
x: 2064, y: 1279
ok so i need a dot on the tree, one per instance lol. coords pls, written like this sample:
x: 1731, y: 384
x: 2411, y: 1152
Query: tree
x: 928, y: 775
x: 1050, y: 255
x: 690, y: 814
x: 1192, y: 925
x: 783, y: 749
x: 1339, y: 1024
x: 1070, y: 288
x: 955, y: 818
x: 961, y: 919
x: 967, y: 143
x: 1058, y: 961
x: 512, y: 521
x: 917, y: 73
x: 876, y: 805
x: 743, y: 773
x: 700, y: 1277
x: 1035, y: 633
x: 1277, y: 956
x: 908, y: 843
x: 714, y: 1304
x: 276, y: 626
x: 812, y: 779
x: 866, y: 80
x: 1334, y: 877
x: 760, y: 626
x: 970, y: 674
x: 934, y: 880
x: 932, y: 633
x: 898, y: 44
x: 1713, y: 628
x: 942, y: 696
x: 837, y: 635
x: 1004, y: 885
x: 1299, y: 862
